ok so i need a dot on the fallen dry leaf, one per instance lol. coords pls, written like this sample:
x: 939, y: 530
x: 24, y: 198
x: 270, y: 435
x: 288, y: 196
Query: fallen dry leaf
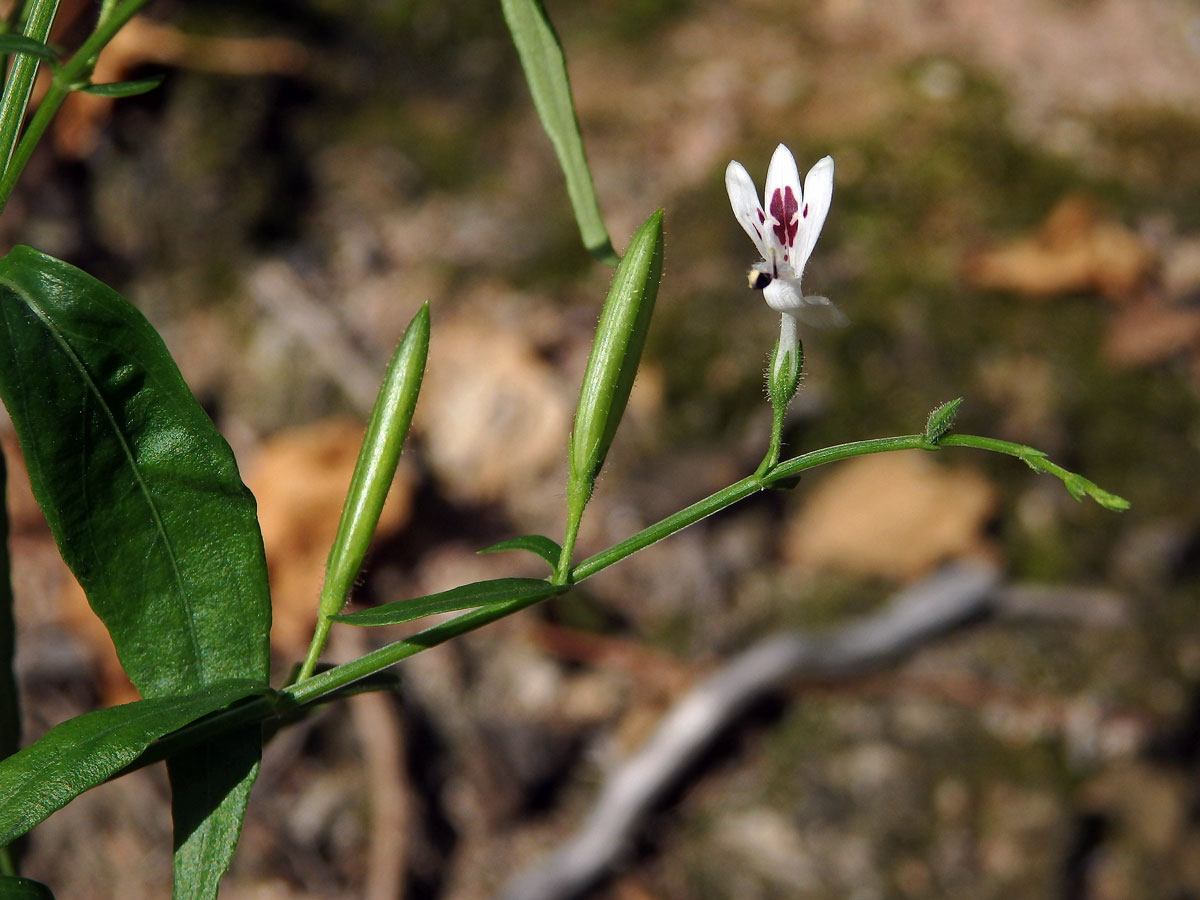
x: 494, y: 415
x: 1150, y: 332
x: 300, y: 477
x: 894, y: 515
x: 1073, y: 250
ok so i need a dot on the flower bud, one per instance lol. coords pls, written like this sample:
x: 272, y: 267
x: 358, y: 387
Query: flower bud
x: 787, y: 361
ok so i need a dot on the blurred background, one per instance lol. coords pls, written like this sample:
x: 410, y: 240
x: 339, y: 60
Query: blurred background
x: 1016, y: 220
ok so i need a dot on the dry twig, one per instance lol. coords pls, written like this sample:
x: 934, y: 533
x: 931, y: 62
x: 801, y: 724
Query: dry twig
x: 950, y: 598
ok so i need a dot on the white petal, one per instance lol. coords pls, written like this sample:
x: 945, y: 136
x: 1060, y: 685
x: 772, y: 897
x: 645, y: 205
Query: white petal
x: 818, y: 192
x: 784, y: 199
x: 819, y: 312
x: 743, y: 197
x: 783, y: 295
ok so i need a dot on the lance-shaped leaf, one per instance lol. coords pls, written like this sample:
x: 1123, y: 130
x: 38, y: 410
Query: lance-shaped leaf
x: 23, y: 889
x: 537, y: 544
x: 10, y: 709
x: 18, y: 43
x: 546, y: 73
x: 141, y: 492
x: 145, y: 502
x: 616, y: 353
x: 469, y: 596
x: 87, y: 750
x: 123, y: 88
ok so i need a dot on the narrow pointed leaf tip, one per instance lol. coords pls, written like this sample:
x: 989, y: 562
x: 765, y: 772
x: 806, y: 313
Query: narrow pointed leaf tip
x: 941, y: 419
x: 1080, y: 487
x: 377, y: 461
x: 469, y: 596
x: 537, y: 544
x: 546, y: 73
x: 616, y: 353
x: 1077, y: 486
x: 124, y: 88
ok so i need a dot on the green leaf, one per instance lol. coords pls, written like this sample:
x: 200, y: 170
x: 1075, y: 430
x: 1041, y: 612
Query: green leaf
x: 123, y: 88
x: 10, y: 708
x: 941, y: 419
x: 546, y: 73
x: 23, y: 889
x: 85, y: 751
x: 210, y: 787
x: 537, y: 544
x: 469, y: 596
x: 141, y: 493
x: 18, y: 43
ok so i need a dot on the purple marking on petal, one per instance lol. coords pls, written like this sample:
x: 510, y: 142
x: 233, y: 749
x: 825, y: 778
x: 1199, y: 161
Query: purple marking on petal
x: 783, y: 209
x: 761, y: 218
x: 805, y: 213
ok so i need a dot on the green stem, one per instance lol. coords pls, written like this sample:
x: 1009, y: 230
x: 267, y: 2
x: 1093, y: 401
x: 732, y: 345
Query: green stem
x: 739, y: 491
x: 319, y: 685
x: 75, y: 72
x: 315, y: 648
x: 701, y: 509
x: 776, y: 445
x: 8, y: 865
x: 106, y: 10
x: 17, y: 90
x: 576, y: 501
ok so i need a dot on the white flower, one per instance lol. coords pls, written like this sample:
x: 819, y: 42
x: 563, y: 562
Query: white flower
x: 786, y: 232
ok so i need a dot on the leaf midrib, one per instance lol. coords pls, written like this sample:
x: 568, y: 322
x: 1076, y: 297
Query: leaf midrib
x: 127, y: 450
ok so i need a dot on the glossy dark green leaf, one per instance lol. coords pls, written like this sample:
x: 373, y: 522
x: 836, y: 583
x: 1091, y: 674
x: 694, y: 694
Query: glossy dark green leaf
x: 469, y: 596
x: 85, y: 751
x: 124, y: 88
x: 10, y: 709
x: 546, y: 73
x: 141, y: 493
x: 210, y: 787
x: 23, y: 889
x: 537, y: 544
x: 18, y: 43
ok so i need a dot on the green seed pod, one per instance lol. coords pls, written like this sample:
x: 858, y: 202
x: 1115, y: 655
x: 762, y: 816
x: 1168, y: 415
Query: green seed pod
x: 614, y: 359
x: 377, y: 461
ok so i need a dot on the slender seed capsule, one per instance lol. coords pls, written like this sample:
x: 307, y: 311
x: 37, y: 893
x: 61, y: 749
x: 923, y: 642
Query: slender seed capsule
x: 616, y: 352
x: 377, y: 461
